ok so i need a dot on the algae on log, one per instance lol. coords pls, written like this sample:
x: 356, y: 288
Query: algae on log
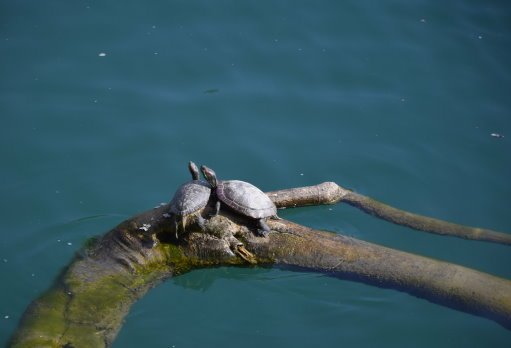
x: 89, y: 300
x: 87, y: 304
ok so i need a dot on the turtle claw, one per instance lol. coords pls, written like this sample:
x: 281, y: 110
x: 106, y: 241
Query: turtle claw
x: 262, y: 233
x: 201, y: 222
x: 263, y: 229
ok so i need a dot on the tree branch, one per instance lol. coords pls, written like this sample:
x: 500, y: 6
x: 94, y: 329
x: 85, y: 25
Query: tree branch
x: 331, y: 193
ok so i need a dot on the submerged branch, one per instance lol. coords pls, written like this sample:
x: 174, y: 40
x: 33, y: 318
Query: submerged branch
x: 331, y: 193
x: 88, y: 302
x: 348, y: 258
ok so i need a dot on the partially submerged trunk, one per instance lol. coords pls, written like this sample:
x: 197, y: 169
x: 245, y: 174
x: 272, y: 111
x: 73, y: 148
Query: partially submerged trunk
x: 87, y: 304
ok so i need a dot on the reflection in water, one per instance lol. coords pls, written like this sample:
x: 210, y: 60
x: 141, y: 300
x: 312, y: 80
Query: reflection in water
x: 203, y: 279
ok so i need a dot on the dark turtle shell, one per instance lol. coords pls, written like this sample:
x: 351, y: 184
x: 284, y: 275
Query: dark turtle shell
x: 190, y: 197
x: 246, y: 199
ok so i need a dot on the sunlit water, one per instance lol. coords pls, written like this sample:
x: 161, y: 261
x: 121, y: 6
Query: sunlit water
x: 103, y: 104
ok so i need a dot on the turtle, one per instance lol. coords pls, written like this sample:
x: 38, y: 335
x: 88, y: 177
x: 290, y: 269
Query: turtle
x: 243, y: 198
x: 189, y: 199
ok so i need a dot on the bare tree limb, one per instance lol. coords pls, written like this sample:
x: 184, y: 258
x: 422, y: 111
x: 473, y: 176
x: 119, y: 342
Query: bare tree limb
x: 331, y: 193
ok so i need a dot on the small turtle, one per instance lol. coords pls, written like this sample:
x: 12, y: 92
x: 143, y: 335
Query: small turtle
x: 243, y: 198
x: 189, y: 199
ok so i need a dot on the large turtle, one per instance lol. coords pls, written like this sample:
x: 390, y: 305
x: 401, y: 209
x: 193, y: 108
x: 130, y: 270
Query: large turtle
x: 190, y: 198
x: 243, y: 198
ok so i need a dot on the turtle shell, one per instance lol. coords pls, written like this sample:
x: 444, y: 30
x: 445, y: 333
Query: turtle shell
x: 190, y: 197
x: 246, y: 199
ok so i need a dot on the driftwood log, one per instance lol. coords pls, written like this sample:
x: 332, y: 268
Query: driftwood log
x: 89, y: 300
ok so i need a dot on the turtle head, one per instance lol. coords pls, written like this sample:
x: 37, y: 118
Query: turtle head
x: 210, y: 175
x: 194, y: 170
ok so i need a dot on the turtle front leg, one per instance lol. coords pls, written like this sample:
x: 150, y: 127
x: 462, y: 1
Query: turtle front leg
x: 217, y: 208
x: 263, y: 229
x: 201, y: 222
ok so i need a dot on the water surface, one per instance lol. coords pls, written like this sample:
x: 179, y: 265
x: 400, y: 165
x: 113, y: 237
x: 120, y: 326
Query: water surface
x: 103, y: 104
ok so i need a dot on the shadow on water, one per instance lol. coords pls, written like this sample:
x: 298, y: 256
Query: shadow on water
x: 203, y: 279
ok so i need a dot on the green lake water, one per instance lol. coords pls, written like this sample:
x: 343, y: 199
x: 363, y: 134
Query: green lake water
x: 103, y: 103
